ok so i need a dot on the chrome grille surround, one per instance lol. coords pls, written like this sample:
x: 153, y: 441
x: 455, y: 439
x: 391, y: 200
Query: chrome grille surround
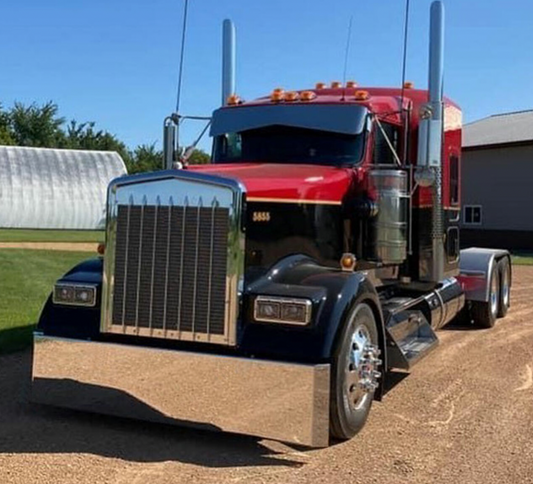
x: 191, y: 196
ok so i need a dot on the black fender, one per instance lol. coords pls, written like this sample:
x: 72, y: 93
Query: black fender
x: 333, y: 293
x: 70, y: 321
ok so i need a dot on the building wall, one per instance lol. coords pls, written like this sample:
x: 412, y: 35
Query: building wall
x: 500, y: 181
x: 55, y: 189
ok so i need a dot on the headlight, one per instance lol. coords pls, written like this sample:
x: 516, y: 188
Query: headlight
x: 74, y: 295
x: 272, y: 309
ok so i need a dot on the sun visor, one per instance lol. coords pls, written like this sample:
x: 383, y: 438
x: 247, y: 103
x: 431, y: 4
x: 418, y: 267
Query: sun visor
x: 345, y: 119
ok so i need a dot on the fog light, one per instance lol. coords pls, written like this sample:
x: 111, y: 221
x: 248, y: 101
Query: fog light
x: 74, y: 295
x: 273, y: 309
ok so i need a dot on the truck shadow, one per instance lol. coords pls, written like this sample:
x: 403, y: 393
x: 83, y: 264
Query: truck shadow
x: 31, y: 428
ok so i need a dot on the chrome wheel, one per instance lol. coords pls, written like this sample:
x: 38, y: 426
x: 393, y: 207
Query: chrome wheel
x: 355, y: 374
x: 362, y: 368
x: 506, y: 287
x: 494, y: 294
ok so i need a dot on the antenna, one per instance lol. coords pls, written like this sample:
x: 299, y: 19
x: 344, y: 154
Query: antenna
x: 182, y: 54
x: 171, y: 124
x: 346, y: 54
x: 404, y: 64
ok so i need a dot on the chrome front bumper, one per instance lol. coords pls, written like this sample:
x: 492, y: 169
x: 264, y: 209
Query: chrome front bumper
x: 281, y: 401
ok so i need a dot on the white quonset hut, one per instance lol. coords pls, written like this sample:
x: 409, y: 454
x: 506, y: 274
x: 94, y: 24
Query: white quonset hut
x: 43, y: 188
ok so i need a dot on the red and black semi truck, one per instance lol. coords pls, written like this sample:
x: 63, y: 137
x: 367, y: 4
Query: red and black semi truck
x: 273, y: 291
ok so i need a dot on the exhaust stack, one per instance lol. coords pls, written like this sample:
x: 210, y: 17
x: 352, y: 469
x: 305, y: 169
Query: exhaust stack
x: 228, y: 60
x: 429, y: 169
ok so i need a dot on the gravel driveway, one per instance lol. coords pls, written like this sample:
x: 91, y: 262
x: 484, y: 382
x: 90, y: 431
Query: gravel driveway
x: 464, y: 415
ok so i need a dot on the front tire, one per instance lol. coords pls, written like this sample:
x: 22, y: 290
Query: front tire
x: 354, y: 375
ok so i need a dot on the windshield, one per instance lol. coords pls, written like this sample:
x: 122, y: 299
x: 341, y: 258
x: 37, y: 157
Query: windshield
x: 283, y: 144
x: 331, y: 134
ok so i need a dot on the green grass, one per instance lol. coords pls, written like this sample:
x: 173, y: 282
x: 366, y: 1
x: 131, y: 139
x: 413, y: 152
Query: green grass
x: 522, y: 259
x: 26, y: 280
x: 22, y: 235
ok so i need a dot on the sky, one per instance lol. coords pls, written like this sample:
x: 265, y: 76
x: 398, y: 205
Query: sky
x: 115, y: 62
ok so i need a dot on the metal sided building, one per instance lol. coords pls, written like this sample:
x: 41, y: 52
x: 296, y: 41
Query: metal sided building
x: 43, y: 188
x: 497, y: 180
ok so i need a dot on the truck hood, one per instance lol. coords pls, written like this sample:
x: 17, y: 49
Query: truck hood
x: 286, y: 182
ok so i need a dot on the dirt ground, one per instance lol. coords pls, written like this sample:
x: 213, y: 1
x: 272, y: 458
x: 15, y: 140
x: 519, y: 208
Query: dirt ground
x: 464, y: 415
x: 68, y: 246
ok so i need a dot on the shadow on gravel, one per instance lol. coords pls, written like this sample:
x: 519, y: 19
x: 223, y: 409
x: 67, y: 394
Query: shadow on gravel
x: 28, y: 428
x: 393, y: 379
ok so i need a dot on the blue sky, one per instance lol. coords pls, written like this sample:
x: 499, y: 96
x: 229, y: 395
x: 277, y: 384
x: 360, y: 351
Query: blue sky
x: 115, y: 62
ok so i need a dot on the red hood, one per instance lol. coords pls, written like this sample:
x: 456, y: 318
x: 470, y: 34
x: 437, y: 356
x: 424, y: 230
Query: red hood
x: 284, y: 181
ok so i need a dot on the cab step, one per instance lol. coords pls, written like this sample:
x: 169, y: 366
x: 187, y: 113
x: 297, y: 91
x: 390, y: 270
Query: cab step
x: 410, y: 336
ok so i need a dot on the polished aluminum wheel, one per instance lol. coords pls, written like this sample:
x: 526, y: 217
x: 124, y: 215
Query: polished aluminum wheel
x: 494, y: 294
x: 506, y: 287
x: 362, y: 369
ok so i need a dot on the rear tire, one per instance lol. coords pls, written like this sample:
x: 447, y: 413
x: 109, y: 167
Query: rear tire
x: 354, y: 373
x: 504, y: 270
x: 484, y: 314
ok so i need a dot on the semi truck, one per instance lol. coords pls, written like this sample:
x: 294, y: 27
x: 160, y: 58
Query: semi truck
x: 274, y: 291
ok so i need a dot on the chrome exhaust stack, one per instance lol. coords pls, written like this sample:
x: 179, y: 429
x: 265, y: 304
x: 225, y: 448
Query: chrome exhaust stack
x: 228, y: 60
x: 429, y: 165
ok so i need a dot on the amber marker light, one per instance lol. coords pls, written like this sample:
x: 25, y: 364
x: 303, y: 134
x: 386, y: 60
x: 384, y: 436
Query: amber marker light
x: 348, y: 262
x: 291, y: 96
x: 408, y: 85
x: 307, y: 95
x: 336, y: 85
x: 351, y: 84
x: 361, y: 95
x: 277, y: 95
x: 101, y: 248
x: 320, y: 85
x: 233, y: 100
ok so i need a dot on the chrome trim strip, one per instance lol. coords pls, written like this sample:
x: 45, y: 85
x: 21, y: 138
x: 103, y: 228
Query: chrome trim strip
x: 275, y: 400
x: 298, y: 201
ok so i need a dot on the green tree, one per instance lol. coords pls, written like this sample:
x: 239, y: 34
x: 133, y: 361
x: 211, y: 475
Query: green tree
x: 199, y: 157
x: 145, y: 158
x: 6, y: 137
x: 83, y: 136
x: 38, y: 126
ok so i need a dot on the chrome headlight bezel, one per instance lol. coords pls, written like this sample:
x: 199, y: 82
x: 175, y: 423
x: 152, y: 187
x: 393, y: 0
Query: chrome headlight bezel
x: 73, y: 295
x: 280, y: 305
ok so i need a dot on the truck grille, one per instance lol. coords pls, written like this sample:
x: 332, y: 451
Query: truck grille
x: 170, y: 271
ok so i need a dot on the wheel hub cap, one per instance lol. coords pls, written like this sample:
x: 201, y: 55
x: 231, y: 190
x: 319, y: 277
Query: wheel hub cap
x: 362, y: 372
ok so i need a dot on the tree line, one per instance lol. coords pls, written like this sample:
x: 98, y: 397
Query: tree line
x: 41, y: 126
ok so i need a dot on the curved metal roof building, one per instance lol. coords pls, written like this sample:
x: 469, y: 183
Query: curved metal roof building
x: 43, y: 188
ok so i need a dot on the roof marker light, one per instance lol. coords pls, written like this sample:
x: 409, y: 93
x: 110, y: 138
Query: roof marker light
x: 233, y: 100
x: 361, y: 95
x: 320, y: 85
x: 408, y: 85
x: 277, y: 95
x: 336, y: 85
x: 351, y: 84
x: 307, y: 95
x: 291, y: 96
